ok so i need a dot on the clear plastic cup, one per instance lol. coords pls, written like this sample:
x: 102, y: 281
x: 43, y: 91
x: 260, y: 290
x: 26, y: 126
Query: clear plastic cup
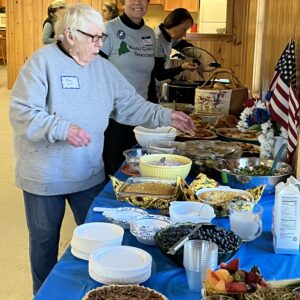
x: 198, y: 256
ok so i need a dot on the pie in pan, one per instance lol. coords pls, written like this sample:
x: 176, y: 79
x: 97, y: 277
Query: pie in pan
x: 123, y: 292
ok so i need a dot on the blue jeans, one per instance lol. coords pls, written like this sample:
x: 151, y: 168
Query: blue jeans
x: 44, y: 216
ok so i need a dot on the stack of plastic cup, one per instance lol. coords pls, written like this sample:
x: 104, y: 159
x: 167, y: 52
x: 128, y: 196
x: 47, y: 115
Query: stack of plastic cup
x: 198, y: 257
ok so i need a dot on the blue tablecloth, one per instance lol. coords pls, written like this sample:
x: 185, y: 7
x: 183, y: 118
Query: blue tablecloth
x: 69, y: 280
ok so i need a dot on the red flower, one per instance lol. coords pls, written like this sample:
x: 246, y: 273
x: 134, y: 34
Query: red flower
x: 249, y: 102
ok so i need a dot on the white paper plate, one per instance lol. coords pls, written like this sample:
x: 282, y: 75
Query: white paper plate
x: 118, y: 280
x: 120, y: 262
x: 91, y: 236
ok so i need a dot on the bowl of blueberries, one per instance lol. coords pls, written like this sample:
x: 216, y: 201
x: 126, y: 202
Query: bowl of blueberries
x: 228, y: 242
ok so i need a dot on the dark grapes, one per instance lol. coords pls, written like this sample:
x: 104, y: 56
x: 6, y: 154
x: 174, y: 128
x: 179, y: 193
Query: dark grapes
x: 226, y: 240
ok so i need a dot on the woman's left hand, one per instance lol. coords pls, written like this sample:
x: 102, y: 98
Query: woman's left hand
x: 182, y: 122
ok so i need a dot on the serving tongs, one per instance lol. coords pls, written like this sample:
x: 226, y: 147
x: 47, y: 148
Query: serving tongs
x: 185, y: 238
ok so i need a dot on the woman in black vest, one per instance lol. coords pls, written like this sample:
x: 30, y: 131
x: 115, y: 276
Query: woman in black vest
x: 54, y: 10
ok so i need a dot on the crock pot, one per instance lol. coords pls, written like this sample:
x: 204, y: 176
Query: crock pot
x: 181, y: 91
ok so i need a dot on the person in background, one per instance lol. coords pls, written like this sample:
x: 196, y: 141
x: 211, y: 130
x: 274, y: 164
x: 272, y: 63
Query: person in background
x: 130, y: 47
x: 60, y: 106
x: 54, y: 11
x: 109, y: 11
x: 169, y: 35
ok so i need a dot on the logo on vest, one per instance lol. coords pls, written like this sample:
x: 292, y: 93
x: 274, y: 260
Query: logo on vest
x: 121, y: 34
x: 123, y: 49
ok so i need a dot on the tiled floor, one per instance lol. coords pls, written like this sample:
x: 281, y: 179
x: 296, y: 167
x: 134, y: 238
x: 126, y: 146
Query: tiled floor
x: 15, y: 278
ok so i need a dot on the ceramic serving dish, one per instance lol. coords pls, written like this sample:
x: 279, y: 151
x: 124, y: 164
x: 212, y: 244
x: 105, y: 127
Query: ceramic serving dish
x: 144, y: 135
x: 191, y: 211
x: 172, y: 166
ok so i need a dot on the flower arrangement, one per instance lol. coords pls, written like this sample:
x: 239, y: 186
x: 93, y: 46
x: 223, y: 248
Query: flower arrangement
x: 257, y: 116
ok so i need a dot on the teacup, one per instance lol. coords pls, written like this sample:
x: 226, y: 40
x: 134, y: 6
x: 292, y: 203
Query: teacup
x: 246, y: 219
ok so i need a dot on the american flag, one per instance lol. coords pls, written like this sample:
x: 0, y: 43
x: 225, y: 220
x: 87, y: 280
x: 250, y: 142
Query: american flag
x: 284, y: 103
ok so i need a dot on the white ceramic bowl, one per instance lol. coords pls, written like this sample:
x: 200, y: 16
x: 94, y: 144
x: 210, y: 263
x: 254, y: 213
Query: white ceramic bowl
x: 149, y: 166
x: 120, y: 265
x: 144, y: 136
x: 91, y: 236
x: 189, y: 211
x: 144, y: 228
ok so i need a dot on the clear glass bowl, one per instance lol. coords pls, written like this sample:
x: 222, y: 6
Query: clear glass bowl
x: 133, y: 156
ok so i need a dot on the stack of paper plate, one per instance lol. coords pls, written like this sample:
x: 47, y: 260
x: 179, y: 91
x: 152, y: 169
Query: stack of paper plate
x: 120, y: 265
x: 91, y: 236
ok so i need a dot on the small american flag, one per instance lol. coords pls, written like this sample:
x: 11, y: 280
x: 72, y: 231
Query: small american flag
x: 284, y: 103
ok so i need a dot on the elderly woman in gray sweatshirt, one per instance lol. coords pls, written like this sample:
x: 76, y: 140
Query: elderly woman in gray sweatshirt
x: 60, y: 107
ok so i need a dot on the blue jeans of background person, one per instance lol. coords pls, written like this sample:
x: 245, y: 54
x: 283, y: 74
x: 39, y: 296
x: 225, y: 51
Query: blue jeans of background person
x: 44, y: 216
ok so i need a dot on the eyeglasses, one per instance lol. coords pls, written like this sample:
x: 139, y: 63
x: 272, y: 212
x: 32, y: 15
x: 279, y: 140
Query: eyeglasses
x: 96, y: 37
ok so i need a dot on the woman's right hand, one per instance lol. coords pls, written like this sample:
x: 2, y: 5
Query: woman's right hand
x: 77, y: 136
x: 189, y: 66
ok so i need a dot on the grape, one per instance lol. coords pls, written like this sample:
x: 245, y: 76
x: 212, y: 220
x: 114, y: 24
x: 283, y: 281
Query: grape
x: 226, y: 240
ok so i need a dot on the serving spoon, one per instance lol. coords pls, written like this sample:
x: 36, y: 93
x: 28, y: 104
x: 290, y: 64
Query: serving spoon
x: 185, y: 238
x: 276, y: 159
x: 162, y: 161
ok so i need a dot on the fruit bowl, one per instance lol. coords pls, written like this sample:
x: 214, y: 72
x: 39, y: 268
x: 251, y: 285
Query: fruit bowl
x: 227, y: 241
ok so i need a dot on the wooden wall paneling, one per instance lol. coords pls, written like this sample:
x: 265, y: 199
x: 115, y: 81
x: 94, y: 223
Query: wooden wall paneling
x: 277, y: 34
x: 24, y: 31
x: 229, y: 16
x: 249, y: 42
x: 281, y: 24
x: 28, y: 22
x: 15, y: 39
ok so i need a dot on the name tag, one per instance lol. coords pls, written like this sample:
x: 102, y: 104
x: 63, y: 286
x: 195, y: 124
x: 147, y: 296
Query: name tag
x: 147, y: 40
x: 70, y: 82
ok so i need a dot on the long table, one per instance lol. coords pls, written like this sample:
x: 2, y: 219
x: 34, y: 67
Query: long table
x: 70, y: 280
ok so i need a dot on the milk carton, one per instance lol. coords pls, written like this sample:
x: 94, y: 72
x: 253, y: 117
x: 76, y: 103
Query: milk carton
x: 286, y: 217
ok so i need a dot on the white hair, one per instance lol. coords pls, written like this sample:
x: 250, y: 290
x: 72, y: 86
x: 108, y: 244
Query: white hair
x: 77, y: 16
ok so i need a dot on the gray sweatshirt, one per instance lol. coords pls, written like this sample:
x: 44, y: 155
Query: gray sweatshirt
x: 51, y: 92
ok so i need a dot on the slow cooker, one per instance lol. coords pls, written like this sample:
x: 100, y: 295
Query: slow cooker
x: 181, y: 91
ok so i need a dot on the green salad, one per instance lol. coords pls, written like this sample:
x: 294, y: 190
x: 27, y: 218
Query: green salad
x: 261, y: 170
